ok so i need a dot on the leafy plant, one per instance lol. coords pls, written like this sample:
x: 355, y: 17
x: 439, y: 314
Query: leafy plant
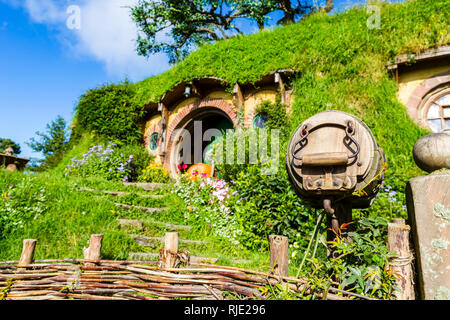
x: 357, y: 263
x: 103, y: 161
x: 189, y: 23
x: 208, y: 202
x: 154, y: 173
x: 20, y: 204
x: 52, y: 144
x: 110, y: 112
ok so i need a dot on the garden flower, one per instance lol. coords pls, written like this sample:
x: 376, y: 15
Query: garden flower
x: 392, y: 193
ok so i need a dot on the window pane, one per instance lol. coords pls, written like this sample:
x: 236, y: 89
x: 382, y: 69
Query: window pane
x: 447, y: 112
x: 260, y: 120
x: 435, y: 125
x: 154, y: 141
x: 447, y: 124
x: 434, y: 112
x: 444, y: 100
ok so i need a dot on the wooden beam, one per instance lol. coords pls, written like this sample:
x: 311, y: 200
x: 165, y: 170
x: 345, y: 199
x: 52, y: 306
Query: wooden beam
x: 398, y: 243
x: 169, y: 255
x: 163, y: 127
x: 279, y: 80
x: 93, y: 252
x: 238, y: 95
x: 279, y: 255
x: 28, y: 249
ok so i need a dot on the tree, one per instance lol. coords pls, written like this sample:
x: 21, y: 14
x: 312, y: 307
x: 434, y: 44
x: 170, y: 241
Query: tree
x: 7, y: 143
x: 54, y: 142
x: 189, y: 23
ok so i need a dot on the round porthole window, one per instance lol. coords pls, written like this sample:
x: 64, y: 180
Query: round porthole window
x: 436, y: 112
x: 154, y: 141
x: 260, y: 120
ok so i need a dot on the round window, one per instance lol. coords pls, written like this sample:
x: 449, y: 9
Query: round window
x: 260, y: 120
x: 154, y: 141
x: 437, y: 112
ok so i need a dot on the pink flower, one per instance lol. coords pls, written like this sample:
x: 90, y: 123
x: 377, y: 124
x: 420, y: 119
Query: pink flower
x: 131, y: 156
x: 204, y: 175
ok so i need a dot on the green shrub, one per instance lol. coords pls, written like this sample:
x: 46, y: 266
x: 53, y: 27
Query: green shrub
x: 268, y: 205
x: 109, y: 111
x: 19, y: 204
x: 209, y: 202
x: 155, y: 174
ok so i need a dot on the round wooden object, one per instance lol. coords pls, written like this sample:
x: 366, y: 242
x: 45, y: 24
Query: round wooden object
x: 432, y: 152
x: 334, y: 155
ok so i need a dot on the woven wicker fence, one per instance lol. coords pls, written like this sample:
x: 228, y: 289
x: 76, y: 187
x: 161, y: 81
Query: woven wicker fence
x: 95, y: 279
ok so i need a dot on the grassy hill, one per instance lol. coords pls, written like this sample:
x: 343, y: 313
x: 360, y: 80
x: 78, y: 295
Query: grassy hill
x: 340, y: 64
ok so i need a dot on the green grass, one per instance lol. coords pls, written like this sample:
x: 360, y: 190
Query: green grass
x: 340, y: 64
x: 71, y: 216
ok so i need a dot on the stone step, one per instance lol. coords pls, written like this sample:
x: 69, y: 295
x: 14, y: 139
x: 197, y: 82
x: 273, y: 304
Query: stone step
x: 151, y: 241
x: 145, y: 186
x: 144, y: 256
x: 124, y: 223
x: 121, y: 194
x: 140, y: 224
x: 149, y: 210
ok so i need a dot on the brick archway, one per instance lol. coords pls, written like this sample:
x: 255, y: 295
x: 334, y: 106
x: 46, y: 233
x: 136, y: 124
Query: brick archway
x: 427, y: 86
x: 189, y: 113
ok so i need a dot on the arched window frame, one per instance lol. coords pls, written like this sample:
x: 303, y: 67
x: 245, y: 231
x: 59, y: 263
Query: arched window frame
x: 151, y: 147
x: 430, y: 101
x: 259, y: 115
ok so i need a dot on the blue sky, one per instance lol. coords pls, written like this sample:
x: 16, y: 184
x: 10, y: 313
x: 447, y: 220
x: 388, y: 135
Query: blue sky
x: 45, y: 66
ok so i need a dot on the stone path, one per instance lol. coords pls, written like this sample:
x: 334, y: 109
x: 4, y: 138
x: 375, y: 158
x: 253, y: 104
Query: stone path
x: 139, y: 227
x: 121, y: 194
x: 149, y: 210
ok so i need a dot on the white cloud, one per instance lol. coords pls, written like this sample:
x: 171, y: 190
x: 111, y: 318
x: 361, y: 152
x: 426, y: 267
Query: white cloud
x: 107, y: 34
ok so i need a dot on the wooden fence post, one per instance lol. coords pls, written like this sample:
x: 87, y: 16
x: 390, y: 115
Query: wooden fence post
x: 398, y: 243
x: 28, y: 248
x: 169, y: 255
x: 93, y: 252
x: 279, y: 255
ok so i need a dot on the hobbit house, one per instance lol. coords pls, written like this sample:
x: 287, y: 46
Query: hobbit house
x: 209, y: 102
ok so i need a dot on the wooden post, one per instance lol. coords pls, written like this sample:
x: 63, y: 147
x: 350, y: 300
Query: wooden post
x: 93, y: 252
x: 398, y: 243
x: 279, y: 255
x: 27, y: 256
x: 169, y: 255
